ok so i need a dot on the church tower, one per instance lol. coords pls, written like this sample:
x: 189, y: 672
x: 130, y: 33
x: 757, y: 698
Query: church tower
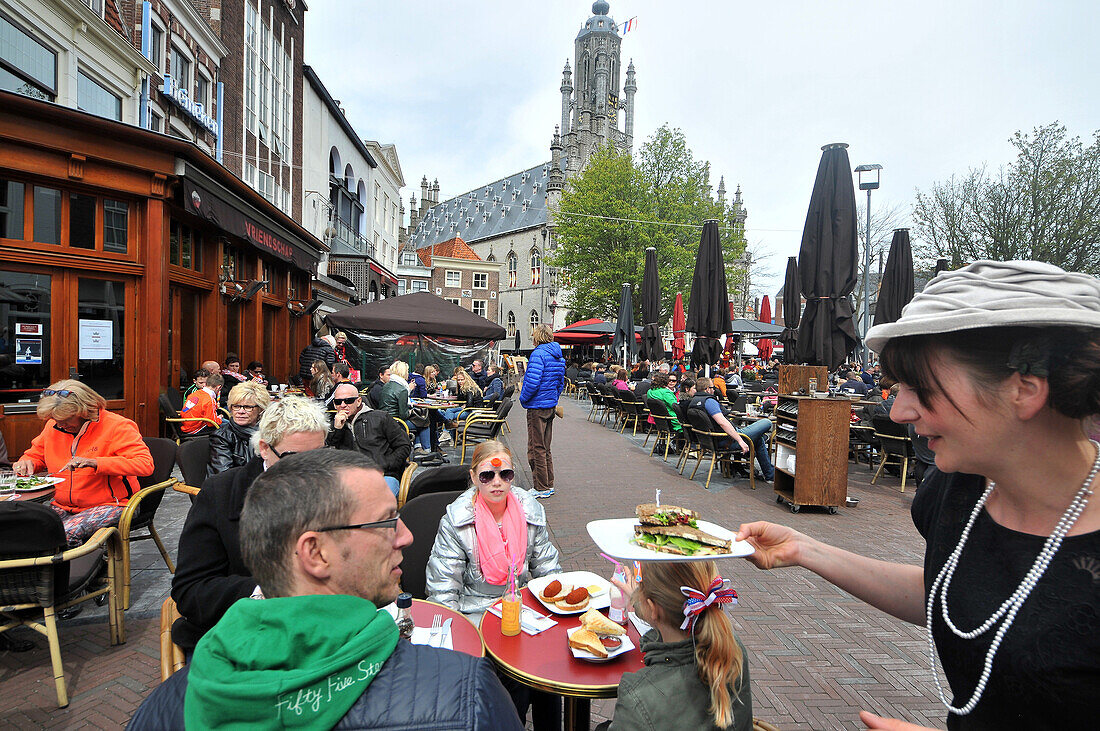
x: 590, y: 91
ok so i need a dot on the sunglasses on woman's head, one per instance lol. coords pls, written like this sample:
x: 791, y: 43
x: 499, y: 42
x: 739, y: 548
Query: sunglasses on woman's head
x: 487, y: 476
x: 62, y: 394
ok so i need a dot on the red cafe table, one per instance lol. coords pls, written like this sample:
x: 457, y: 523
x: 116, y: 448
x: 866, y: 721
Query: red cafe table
x: 544, y: 662
x: 464, y: 635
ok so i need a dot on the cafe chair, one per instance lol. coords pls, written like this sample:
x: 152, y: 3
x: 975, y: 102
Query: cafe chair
x: 570, y: 388
x: 193, y: 456
x: 630, y: 409
x: 691, y: 446
x: 175, y: 398
x: 482, y: 427
x: 597, y: 403
x: 142, y: 508
x: 403, y: 425
x: 405, y: 481
x: 584, y: 388
x: 171, y: 654
x: 862, y: 441
x: 173, y: 422
x: 662, y: 420
x: 446, y: 478
x: 40, y: 576
x: 710, y: 439
x: 895, y: 445
x: 612, y: 405
x: 421, y: 516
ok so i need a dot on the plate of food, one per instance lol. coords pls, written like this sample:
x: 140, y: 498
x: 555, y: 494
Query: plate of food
x: 598, y: 639
x: 572, y: 592
x: 28, y: 484
x: 665, y: 533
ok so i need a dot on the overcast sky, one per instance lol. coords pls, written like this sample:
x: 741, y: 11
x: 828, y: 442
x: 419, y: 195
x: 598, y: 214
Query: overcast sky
x: 469, y: 91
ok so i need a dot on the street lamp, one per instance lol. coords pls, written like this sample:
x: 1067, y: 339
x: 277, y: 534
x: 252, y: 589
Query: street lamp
x: 868, y: 181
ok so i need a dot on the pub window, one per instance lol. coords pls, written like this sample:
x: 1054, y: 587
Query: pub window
x: 184, y: 246
x: 81, y: 221
x: 47, y: 215
x: 24, y: 336
x: 268, y: 276
x: 94, y: 98
x: 27, y: 67
x: 115, y: 226
x: 11, y: 209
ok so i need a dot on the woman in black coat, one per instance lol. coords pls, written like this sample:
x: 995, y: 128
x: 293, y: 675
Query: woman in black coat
x: 231, y: 444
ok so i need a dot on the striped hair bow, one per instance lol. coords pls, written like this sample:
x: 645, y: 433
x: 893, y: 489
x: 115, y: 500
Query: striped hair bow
x: 697, y: 602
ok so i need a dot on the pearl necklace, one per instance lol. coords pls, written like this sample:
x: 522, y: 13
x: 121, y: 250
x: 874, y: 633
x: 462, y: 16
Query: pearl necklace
x: 1012, y: 605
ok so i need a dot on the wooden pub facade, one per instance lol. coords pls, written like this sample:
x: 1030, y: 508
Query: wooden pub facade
x: 129, y: 257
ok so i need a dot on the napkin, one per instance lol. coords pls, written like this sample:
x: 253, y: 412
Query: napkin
x: 639, y: 624
x: 530, y: 621
x: 421, y: 635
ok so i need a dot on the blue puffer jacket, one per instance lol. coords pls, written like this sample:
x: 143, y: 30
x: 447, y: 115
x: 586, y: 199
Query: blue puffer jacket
x: 419, y: 688
x: 544, y: 379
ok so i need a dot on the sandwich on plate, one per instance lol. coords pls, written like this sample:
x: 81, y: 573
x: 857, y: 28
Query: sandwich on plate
x: 585, y: 640
x: 672, y: 529
x: 594, y: 621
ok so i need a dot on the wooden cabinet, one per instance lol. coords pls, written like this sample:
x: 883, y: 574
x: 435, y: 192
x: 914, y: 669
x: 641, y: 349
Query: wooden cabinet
x: 814, y: 431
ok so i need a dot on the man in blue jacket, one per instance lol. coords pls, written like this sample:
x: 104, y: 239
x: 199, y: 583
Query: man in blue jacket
x: 321, y: 534
x: 542, y: 386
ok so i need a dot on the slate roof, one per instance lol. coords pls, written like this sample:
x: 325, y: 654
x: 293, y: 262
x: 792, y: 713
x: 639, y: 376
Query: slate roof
x: 488, y: 211
x: 455, y: 248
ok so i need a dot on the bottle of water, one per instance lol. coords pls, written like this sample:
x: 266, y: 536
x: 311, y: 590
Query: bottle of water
x: 617, y: 613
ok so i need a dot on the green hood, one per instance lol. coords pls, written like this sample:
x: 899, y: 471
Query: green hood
x: 287, y: 662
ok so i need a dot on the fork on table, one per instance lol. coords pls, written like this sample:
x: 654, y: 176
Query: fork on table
x: 437, y: 626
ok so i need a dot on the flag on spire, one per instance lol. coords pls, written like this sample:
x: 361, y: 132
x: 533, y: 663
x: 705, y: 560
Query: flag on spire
x: 630, y: 25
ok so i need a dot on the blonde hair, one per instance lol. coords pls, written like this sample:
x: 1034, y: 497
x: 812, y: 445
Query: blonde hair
x: 469, y: 385
x: 718, y: 657
x: 289, y: 415
x: 81, y: 401
x: 249, y: 391
x: 542, y: 334
x: 400, y: 369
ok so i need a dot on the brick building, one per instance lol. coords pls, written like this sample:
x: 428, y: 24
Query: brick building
x: 457, y: 274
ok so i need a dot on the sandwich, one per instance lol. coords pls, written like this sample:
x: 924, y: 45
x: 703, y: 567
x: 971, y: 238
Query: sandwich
x: 652, y: 514
x: 554, y: 591
x: 597, y: 623
x: 574, y: 600
x: 671, y: 529
x: 585, y: 640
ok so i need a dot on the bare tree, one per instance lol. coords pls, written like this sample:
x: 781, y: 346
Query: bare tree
x: 884, y: 219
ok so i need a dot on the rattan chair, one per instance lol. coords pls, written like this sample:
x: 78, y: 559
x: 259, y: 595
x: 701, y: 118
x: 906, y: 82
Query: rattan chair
x: 40, y: 576
x: 662, y: 420
x: 895, y: 446
x: 598, y: 405
x: 142, y: 508
x: 171, y: 654
x: 193, y: 456
x: 173, y: 422
x: 630, y: 410
x: 710, y: 439
x: 482, y: 427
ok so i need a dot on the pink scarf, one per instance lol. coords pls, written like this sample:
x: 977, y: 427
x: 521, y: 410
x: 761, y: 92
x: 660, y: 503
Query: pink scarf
x: 500, y: 547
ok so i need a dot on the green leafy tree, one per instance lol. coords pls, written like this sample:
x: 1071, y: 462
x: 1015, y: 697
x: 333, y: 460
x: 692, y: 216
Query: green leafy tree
x: 619, y: 206
x: 1044, y: 206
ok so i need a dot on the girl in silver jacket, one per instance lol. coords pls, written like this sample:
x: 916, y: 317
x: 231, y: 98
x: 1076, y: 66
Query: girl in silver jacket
x: 482, y: 533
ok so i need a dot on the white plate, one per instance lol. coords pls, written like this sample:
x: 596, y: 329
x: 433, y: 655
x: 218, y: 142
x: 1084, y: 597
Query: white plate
x: 627, y: 646
x: 613, y: 537
x: 574, y: 579
x: 9, y: 486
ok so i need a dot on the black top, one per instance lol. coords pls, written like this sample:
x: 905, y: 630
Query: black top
x: 1046, y: 673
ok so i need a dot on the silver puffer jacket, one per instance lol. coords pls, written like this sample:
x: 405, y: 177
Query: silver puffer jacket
x: 453, y: 575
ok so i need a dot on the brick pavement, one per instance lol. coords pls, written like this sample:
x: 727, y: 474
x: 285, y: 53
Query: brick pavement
x: 817, y: 655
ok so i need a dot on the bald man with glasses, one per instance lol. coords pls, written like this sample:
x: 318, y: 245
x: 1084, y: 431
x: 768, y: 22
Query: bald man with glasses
x: 357, y: 427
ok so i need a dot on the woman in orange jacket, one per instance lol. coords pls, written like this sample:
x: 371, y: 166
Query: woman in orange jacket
x: 99, y: 454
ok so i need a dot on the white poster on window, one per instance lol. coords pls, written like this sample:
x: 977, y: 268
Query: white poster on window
x: 96, y: 337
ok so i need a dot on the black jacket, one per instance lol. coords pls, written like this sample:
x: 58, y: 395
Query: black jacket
x: 377, y: 435
x: 317, y: 350
x: 210, y: 573
x: 418, y: 688
x: 230, y: 446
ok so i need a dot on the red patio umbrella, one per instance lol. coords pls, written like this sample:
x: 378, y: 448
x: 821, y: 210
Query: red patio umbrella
x: 729, y: 353
x: 764, y: 345
x: 679, y: 323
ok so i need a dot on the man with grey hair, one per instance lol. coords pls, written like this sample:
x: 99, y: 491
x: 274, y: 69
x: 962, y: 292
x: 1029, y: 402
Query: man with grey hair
x: 210, y: 573
x: 322, y: 535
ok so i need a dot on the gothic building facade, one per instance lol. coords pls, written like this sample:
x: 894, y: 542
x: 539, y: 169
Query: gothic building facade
x: 507, y: 220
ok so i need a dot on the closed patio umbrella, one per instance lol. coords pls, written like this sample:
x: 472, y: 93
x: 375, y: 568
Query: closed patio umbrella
x: 624, y: 345
x: 827, y: 263
x: 708, y: 307
x: 792, y: 311
x: 679, y: 323
x: 896, y: 287
x: 764, y: 345
x: 652, y: 347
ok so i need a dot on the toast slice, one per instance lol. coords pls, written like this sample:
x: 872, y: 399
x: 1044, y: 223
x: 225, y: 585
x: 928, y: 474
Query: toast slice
x: 595, y: 622
x: 682, y: 540
x: 585, y: 640
x: 652, y: 514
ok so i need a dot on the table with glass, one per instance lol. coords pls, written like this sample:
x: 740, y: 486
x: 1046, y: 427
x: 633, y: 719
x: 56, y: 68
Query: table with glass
x: 544, y: 662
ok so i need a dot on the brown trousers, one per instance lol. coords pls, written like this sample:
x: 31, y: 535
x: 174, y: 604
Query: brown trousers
x: 540, y: 430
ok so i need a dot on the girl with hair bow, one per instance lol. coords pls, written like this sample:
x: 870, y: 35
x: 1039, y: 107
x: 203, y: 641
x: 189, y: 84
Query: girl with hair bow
x: 696, y: 673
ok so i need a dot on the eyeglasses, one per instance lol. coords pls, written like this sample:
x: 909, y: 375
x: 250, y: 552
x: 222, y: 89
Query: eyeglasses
x: 342, y: 401
x: 62, y: 394
x: 487, y: 476
x: 279, y: 454
x: 388, y: 523
x: 244, y: 407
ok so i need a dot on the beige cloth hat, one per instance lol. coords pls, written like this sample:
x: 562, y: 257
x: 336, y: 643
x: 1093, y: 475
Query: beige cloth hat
x: 996, y: 294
